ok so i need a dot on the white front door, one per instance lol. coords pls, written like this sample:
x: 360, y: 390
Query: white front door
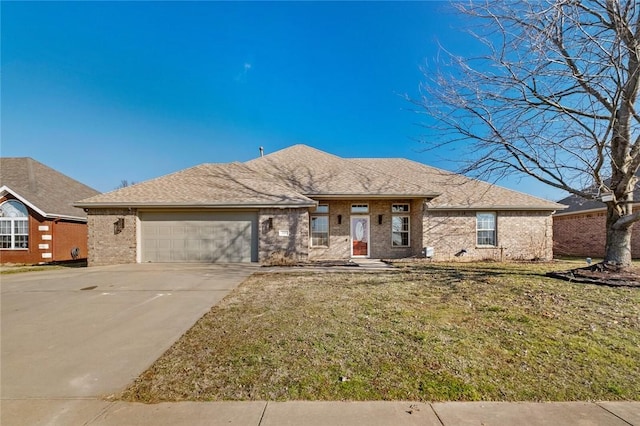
x: 360, y: 236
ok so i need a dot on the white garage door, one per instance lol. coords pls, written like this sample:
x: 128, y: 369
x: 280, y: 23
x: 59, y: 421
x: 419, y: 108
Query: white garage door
x: 199, y: 237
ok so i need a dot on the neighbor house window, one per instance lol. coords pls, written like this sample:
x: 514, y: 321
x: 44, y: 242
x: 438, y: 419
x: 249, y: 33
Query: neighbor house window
x: 486, y: 229
x: 14, y: 225
x: 359, y: 208
x: 399, y: 225
x: 320, y: 226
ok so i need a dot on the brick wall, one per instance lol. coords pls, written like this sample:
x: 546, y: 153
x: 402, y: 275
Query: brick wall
x: 380, y: 233
x: 584, y: 235
x: 50, y: 240
x: 68, y: 236
x: 107, y: 247
x: 283, y: 232
x: 521, y: 236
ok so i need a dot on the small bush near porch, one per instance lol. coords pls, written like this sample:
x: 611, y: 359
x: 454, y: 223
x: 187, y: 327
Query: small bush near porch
x: 431, y: 332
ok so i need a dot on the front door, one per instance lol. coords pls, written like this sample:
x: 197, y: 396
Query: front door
x: 360, y: 236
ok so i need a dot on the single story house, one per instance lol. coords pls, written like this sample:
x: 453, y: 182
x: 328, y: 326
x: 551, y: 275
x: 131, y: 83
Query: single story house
x: 38, y: 221
x: 580, y: 229
x: 307, y: 204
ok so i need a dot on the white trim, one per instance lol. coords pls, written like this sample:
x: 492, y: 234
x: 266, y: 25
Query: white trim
x: 138, y: 238
x: 408, y: 231
x: 368, y: 218
x: 359, y: 205
x: 6, y: 190
x: 317, y: 216
x: 401, y: 212
x: 495, y: 229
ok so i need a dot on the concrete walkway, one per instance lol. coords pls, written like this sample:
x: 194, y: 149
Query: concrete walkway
x: 93, y: 412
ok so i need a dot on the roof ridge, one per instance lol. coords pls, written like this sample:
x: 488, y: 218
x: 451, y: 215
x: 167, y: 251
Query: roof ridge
x: 402, y: 178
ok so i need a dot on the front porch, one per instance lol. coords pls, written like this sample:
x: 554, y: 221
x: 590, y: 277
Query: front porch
x: 366, y: 228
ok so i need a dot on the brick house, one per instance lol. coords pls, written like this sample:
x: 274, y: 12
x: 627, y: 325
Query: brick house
x: 309, y: 204
x: 580, y: 229
x: 38, y: 221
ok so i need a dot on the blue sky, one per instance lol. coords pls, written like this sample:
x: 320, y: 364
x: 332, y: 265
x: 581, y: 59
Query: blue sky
x: 106, y: 91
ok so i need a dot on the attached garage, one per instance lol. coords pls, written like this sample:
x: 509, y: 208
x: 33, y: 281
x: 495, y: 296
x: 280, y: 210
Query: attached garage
x: 203, y: 237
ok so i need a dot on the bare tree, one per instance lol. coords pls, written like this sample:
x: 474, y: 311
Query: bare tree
x: 554, y: 97
x: 125, y: 183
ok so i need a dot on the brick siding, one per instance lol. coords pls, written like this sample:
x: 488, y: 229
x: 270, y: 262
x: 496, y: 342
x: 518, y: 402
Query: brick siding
x: 273, y: 222
x: 107, y: 247
x: 521, y: 236
x: 380, y: 233
x: 584, y: 235
x: 50, y: 240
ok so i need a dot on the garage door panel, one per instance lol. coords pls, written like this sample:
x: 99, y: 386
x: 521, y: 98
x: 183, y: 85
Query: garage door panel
x: 199, y: 237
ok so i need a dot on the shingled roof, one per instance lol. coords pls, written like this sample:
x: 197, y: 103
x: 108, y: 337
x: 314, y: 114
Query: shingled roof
x: 295, y: 175
x: 47, y: 191
x: 206, y: 185
x: 576, y: 204
x: 319, y: 174
x: 457, y: 191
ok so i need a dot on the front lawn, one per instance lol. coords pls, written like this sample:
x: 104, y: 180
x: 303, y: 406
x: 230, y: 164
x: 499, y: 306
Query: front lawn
x: 431, y: 332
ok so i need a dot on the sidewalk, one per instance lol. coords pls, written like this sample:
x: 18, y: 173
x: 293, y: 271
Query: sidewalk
x: 92, y: 412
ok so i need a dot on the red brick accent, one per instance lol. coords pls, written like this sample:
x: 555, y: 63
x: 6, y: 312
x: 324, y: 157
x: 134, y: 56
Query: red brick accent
x: 584, y: 234
x: 64, y: 236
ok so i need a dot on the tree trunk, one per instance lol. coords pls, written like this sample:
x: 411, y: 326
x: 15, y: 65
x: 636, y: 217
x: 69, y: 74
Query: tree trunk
x: 618, y: 245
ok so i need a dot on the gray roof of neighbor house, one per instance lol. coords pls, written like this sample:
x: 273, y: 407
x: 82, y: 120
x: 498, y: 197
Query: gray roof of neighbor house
x: 576, y: 204
x: 458, y: 191
x: 319, y: 174
x: 206, y: 185
x: 44, y: 189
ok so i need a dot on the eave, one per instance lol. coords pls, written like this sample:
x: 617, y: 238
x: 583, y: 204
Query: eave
x: 343, y: 196
x: 134, y: 205
x: 497, y: 208
x: 52, y: 216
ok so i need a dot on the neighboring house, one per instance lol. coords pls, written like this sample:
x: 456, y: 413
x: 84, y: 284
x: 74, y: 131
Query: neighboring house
x: 308, y: 204
x: 580, y: 229
x: 38, y: 221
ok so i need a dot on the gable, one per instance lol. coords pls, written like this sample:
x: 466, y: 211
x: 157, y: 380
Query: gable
x: 45, y: 190
x: 316, y: 173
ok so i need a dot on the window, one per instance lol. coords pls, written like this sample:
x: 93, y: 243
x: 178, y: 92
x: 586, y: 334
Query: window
x: 486, y: 229
x: 400, y: 231
x: 14, y: 225
x: 399, y: 225
x: 400, y: 208
x: 319, y: 231
x: 320, y: 226
x: 359, y: 208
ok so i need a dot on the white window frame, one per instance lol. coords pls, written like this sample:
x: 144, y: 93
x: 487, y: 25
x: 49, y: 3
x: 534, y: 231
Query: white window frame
x: 400, y: 210
x: 322, y: 211
x: 20, y: 217
x: 481, y: 227
x: 361, y: 208
x: 395, y: 208
x: 402, y: 232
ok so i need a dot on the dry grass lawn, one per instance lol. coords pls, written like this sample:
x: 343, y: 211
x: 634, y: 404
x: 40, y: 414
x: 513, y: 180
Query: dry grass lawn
x: 430, y: 332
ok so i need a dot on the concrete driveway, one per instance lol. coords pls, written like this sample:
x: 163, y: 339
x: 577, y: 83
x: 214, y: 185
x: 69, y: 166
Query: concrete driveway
x: 88, y: 332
